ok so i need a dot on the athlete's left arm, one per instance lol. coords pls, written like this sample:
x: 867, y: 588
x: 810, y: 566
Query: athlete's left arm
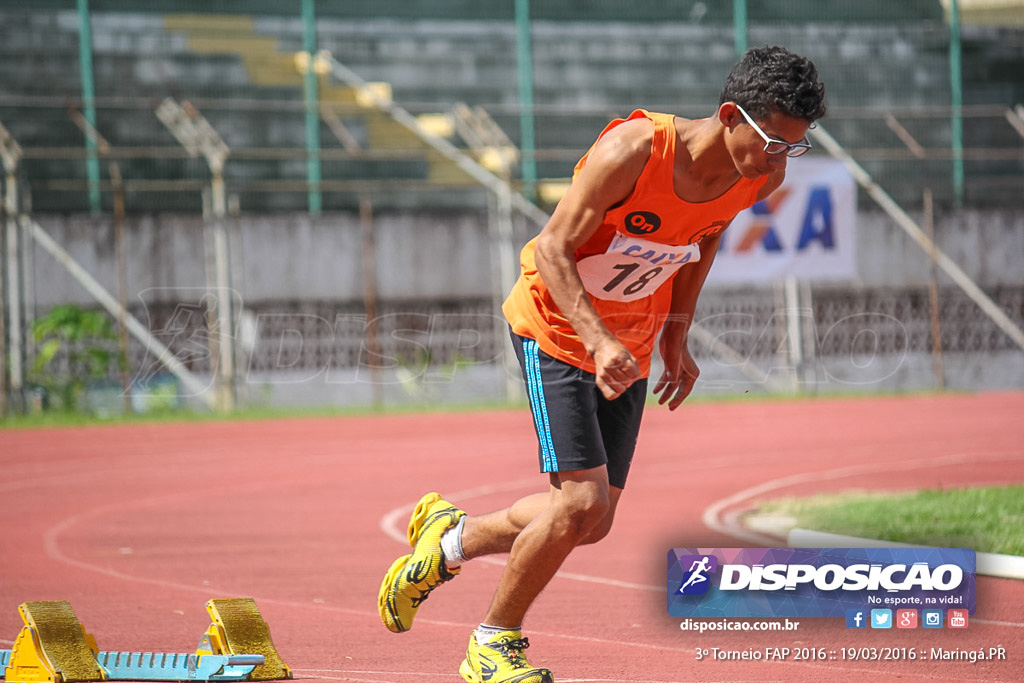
x: 681, y: 371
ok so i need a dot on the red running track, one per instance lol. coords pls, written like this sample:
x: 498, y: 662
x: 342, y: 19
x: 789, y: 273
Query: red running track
x: 138, y: 526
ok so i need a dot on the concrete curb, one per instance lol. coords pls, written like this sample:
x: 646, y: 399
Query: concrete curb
x: 989, y: 564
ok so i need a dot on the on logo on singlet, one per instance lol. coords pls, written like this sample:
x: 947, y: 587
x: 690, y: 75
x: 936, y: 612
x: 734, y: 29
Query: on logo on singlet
x: 642, y: 222
x: 633, y: 268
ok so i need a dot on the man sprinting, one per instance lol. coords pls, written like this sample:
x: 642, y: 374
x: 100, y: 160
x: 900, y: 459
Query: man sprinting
x: 615, y: 272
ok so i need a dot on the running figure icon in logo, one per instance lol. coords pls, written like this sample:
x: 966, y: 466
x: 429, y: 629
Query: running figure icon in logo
x: 696, y: 581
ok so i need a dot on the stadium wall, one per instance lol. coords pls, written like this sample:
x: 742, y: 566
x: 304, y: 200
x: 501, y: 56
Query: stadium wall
x: 303, y: 334
x: 425, y: 256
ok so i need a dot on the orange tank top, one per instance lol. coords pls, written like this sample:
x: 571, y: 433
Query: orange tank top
x: 628, y: 263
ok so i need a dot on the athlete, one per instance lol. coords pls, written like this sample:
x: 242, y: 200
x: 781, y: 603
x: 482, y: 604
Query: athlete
x: 615, y: 272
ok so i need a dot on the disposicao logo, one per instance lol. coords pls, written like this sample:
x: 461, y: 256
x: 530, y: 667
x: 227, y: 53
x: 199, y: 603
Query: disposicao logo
x: 822, y: 582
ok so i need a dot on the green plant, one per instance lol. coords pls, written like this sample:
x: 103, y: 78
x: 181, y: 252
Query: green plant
x: 88, y: 340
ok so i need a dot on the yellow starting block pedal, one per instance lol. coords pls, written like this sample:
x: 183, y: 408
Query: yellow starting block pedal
x: 238, y: 627
x: 52, y: 646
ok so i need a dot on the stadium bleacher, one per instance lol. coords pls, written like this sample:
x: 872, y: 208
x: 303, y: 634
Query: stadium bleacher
x: 239, y: 69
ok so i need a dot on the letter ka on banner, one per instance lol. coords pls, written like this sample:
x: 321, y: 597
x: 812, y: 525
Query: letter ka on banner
x: 805, y: 229
x: 817, y: 582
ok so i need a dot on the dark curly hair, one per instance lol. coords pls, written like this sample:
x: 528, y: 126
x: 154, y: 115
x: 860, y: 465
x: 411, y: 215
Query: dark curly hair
x: 768, y: 79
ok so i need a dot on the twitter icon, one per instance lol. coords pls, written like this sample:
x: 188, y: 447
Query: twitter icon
x: 881, y: 618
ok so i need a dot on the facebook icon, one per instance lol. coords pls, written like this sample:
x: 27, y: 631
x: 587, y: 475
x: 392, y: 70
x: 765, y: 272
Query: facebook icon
x: 856, y: 618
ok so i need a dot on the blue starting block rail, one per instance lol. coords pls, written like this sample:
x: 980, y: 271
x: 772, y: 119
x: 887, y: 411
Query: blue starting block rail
x: 169, y: 666
x: 158, y: 666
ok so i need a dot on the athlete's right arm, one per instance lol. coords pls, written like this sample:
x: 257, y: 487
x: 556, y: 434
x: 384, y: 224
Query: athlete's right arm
x: 608, y: 178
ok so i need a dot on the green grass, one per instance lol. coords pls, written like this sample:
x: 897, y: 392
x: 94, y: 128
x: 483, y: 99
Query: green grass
x: 985, y: 519
x: 58, y: 418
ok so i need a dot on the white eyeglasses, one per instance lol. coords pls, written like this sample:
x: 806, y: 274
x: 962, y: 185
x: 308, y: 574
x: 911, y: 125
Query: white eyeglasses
x: 773, y: 146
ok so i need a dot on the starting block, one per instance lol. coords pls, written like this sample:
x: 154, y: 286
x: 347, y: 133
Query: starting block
x: 54, y: 647
x: 238, y: 628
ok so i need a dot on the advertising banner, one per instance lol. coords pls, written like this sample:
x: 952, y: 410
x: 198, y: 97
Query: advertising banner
x: 806, y: 229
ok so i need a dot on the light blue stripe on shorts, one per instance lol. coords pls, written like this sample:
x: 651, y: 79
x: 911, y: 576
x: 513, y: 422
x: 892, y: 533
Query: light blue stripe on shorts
x: 535, y: 387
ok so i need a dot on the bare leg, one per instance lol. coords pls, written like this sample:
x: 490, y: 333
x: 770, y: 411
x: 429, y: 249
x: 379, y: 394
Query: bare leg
x: 578, y: 504
x: 495, y: 532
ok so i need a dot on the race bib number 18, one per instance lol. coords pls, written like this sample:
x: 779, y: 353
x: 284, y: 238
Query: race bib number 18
x: 633, y: 268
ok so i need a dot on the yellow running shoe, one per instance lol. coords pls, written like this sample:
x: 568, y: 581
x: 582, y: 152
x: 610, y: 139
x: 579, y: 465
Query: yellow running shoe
x: 411, y: 578
x: 501, y: 660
